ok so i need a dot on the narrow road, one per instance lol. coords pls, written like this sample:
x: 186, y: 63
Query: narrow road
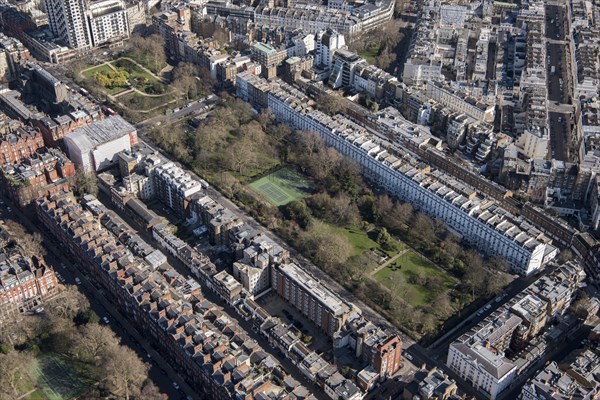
x: 161, y: 373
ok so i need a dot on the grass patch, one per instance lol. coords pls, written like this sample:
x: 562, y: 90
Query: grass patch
x: 139, y: 78
x: 103, y: 69
x: 282, y: 187
x: 370, y: 53
x: 400, y: 278
x: 359, y: 239
x: 139, y: 102
x: 56, y: 380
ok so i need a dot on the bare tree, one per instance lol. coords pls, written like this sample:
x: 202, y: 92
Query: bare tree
x: 94, y: 341
x: 67, y: 303
x: 15, y: 365
x: 330, y: 104
x: 84, y: 183
x: 124, y: 372
x: 31, y: 244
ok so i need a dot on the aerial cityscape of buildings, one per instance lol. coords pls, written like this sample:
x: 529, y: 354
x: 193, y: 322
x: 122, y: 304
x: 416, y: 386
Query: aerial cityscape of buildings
x: 483, y: 116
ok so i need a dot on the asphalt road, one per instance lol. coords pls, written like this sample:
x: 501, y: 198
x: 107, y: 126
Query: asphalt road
x: 194, y: 108
x: 248, y: 326
x: 161, y: 373
x: 558, y: 82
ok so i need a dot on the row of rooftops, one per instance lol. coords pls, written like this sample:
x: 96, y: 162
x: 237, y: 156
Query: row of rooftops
x: 480, y: 342
x: 217, y: 344
x: 15, y: 268
x: 397, y: 158
x: 45, y: 159
x: 316, y: 289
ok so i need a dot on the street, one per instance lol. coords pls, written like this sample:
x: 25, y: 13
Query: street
x: 558, y: 82
x: 161, y: 373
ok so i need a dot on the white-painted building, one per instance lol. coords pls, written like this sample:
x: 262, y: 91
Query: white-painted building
x: 68, y: 22
x: 108, y: 21
x: 95, y: 146
x: 481, y: 221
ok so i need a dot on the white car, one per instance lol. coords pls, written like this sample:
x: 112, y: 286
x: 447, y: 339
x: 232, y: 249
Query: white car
x: 175, y: 385
x: 78, y: 281
x: 39, y: 310
x: 408, y: 356
x: 105, y: 320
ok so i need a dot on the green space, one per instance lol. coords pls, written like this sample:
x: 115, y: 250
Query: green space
x: 370, y: 53
x: 414, y: 279
x: 140, y: 78
x: 136, y: 101
x: 359, y: 238
x: 55, y: 380
x: 102, y: 69
x: 282, y: 186
x: 111, y: 79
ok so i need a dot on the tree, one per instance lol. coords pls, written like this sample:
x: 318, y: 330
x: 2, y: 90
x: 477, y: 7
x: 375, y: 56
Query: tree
x: 124, y: 371
x: 422, y: 228
x: 67, y: 303
x: 149, y: 51
x: 30, y: 244
x: 564, y: 256
x: 15, y: 365
x: 240, y: 156
x: 84, y: 183
x: 94, y: 342
x: 298, y: 211
x: 86, y: 317
x: 330, y: 104
x: 192, y: 80
x: 324, y: 247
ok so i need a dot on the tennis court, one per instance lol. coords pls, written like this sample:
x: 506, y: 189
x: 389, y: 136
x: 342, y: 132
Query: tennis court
x: 55, y: 379
x: 282, y: 186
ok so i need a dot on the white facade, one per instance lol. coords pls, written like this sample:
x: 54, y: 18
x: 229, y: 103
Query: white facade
x: 108, y: 21
x: 95, y: 146
x: 486, y: 371
x: 326, y: 43
x: 68, y: 22
x: 254, y: 279
x: 480, y: 221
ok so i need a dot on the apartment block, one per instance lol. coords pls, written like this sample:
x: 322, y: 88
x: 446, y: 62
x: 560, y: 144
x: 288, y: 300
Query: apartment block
x: 480, y: 221
x: 25, y: 283
x: 68, y: 22
x: 209, y: 349
x: 108, y: 22
x: 19, y: 143
x: 46, y: 172
x: 173, y: 186
x: 311, y: 297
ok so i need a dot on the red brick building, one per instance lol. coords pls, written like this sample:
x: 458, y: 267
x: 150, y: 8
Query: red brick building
x: 17, y: 145
x: 42, y: 174
x: 24, y: 283
x: 386, y: 355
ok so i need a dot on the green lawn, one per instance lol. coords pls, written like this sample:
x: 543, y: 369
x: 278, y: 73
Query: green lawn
x: 100, y: 68
x: 55, y: 380
x: 396, y: 277
x: 359, y: 239
x: 282, y: 187
x: 370, y: 53
x: 141, y: 79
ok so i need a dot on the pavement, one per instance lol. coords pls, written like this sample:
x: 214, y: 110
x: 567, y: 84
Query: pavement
x: 559, y: 96
x: 223, y: 306
x: 193, y: 108
x: 161, y: 373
